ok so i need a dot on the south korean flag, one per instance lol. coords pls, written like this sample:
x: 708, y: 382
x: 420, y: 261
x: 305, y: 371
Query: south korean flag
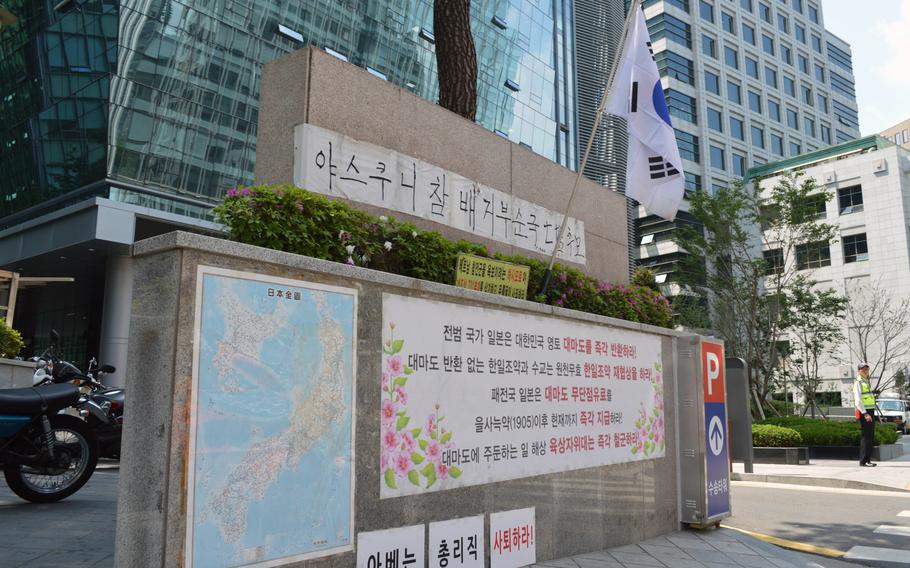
x: 654, y: 173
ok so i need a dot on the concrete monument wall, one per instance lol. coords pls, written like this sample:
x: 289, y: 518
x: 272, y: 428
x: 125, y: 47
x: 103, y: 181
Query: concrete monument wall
x: 311, y: 87
x: 577, y: 511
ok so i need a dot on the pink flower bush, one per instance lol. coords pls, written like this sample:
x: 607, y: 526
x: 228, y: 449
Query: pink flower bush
x: 434, y: 451
x: 403, y: 464
x: 390, y: 439
x: 389, y: 409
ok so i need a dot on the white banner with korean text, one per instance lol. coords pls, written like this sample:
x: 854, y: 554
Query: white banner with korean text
x: 331, y: 163
x: 473, y: 395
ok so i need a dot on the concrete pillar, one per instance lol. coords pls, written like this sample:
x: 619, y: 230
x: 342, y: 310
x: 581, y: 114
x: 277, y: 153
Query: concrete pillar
x: 115, y: 318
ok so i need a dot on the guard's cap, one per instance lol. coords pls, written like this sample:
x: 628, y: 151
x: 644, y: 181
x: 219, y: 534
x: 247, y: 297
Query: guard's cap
x: 862, y: 366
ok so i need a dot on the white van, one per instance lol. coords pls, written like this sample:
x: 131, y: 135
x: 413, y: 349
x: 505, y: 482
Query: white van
x: 895, y: 410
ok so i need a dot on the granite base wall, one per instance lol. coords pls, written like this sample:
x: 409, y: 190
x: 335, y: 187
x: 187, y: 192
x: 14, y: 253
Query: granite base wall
x: 577, y: 512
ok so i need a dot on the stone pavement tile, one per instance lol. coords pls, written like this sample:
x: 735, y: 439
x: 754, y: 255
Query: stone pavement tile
x: 642, y: 559
x: 107, y: 562
x: 585, y: 562
x: 632, y: 548
x: 735, y: 548
x: 753, y: 561
x: 659, y: 541
x: 781, y: 563
x: 666, y: 554
x: 559, y: 563
x: 682, y: 563
x: 726, y: 564
x: 687, y: 543
x: 705, y: 556
x: 15, y: 557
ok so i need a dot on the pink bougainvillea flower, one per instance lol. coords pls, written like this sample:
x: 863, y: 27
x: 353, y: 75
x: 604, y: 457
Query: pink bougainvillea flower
x: 442, y: 470
x: 562, y: 277
x: 390, y: 439
x: 245, y: 191
x: 408, y: 443
x: 434, y: 451
x: 558, y: 302
x: 389, y: 409
x: 402, y: 396
x: 232, y: 192
x: 395, y: 365
x: 299, y: 206
x: 402, y: 464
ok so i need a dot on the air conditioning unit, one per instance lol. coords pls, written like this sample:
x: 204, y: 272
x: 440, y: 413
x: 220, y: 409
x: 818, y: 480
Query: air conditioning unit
x: 830, y: 177
x: 880, y: 166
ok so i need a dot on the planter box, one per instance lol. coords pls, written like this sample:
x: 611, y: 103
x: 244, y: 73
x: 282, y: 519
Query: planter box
x: 789, y: 456
x: 879, y: 453
x: 16, y: 374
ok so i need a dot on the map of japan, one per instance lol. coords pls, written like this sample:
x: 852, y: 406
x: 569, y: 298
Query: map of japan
x: 271, y: 456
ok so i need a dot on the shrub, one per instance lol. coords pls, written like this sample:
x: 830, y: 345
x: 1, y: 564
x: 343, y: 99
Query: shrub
x: 833, y: 433
x: 770, y: 436
x: 10, y: 341
x: 294, y: 220
x: 646, y: 277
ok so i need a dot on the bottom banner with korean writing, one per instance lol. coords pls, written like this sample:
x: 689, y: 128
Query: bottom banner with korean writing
x: 473, y: 395
x: 457, y: 543
x: 393, y: 548
x: 513, y: 539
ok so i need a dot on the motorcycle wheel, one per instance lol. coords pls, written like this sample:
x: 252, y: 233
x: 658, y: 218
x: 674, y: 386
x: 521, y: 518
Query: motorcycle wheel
x: 79, y: 447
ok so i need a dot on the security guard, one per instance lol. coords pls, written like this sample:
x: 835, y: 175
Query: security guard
x: 864, y: 401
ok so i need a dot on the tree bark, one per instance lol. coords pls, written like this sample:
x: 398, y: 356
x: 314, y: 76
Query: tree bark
x: 456, y: 58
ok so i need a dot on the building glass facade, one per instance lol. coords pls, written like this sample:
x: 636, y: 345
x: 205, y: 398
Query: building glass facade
x: 163, y: 95
x: 752, y: 116
x: 153, y: 104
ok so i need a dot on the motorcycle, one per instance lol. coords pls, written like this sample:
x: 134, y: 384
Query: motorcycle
x: 45, y: 456
x: 103, y: 406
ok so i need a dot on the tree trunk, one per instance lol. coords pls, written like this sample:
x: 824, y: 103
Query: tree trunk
x: 456, y: 58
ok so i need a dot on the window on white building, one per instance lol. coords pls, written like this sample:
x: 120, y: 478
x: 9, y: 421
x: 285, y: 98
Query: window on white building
x: 813, y: 255
x: 855, y: 248
x: 850, y: 199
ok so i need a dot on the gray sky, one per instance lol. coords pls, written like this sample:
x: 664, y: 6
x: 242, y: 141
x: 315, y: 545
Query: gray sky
x: 879, y: 34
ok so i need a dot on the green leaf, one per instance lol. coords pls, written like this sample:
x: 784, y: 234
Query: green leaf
x: 400, y: 381
x: 416, y: 432
x: 431, y: 479
x: 423, y: 444
x: 390, y: 479
x: 433, y: 434
x: 454, y: 472
x: 428, y: 470
x: 408, y: 370
x: 416, y: 458
x: 634, y: 450
x: 445, y: 438
x: 396, y: 346
x: 414, y: 478
x: 402, y: 422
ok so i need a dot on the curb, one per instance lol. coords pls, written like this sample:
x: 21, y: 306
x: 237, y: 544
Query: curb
x: 814, y: 481
x: 790, y: 544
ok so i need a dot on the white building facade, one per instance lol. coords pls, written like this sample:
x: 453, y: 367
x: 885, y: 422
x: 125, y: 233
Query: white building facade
x: 869, y: 183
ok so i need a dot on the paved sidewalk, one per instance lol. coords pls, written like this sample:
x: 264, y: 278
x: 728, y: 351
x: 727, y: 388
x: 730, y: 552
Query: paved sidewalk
x: 721, y: 548
x: 894, y: 474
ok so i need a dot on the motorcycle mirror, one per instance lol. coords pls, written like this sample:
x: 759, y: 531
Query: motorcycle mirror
x: 108, y: 369
x: 55, y: 337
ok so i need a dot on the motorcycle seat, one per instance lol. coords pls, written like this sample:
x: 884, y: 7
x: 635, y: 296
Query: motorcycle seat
x: 30, y: 400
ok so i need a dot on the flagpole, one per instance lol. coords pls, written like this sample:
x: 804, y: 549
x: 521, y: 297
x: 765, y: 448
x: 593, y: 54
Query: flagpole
x: 584, y: 160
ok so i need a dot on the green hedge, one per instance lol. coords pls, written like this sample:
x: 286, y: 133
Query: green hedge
x: 294, y: 220
x: 833, y: 433
x: 770, y: 436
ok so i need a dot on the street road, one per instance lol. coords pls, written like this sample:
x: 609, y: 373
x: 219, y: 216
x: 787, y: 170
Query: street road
x: 832, y: 518
x: 77, y: 532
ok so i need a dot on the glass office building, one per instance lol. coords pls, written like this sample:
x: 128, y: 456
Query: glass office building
x: 747, y: 82
x: 124, y: 119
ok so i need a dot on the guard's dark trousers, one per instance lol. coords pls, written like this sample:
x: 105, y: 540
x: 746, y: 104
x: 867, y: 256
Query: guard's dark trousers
x: 868, y: 440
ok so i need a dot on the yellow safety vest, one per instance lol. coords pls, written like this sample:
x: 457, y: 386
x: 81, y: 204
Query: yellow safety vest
x: 868, y: 397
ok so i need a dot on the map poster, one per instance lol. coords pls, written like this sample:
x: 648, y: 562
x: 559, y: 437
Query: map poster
x: 473, y: 395
x: 271, y: 456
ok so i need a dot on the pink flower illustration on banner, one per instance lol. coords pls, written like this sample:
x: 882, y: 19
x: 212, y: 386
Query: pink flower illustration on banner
x: 409, y: 452
x: 650, y: 423
x: 395, y: 365
x: 389, y: 410
x: 390, y: 440
x: 434, y: 452
x: 403, y: 464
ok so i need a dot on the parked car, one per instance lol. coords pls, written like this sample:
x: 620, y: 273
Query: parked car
x: 895, y: 410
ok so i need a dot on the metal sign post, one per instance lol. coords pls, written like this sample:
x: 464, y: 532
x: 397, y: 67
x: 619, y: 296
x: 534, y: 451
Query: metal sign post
x: 704, y: 432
